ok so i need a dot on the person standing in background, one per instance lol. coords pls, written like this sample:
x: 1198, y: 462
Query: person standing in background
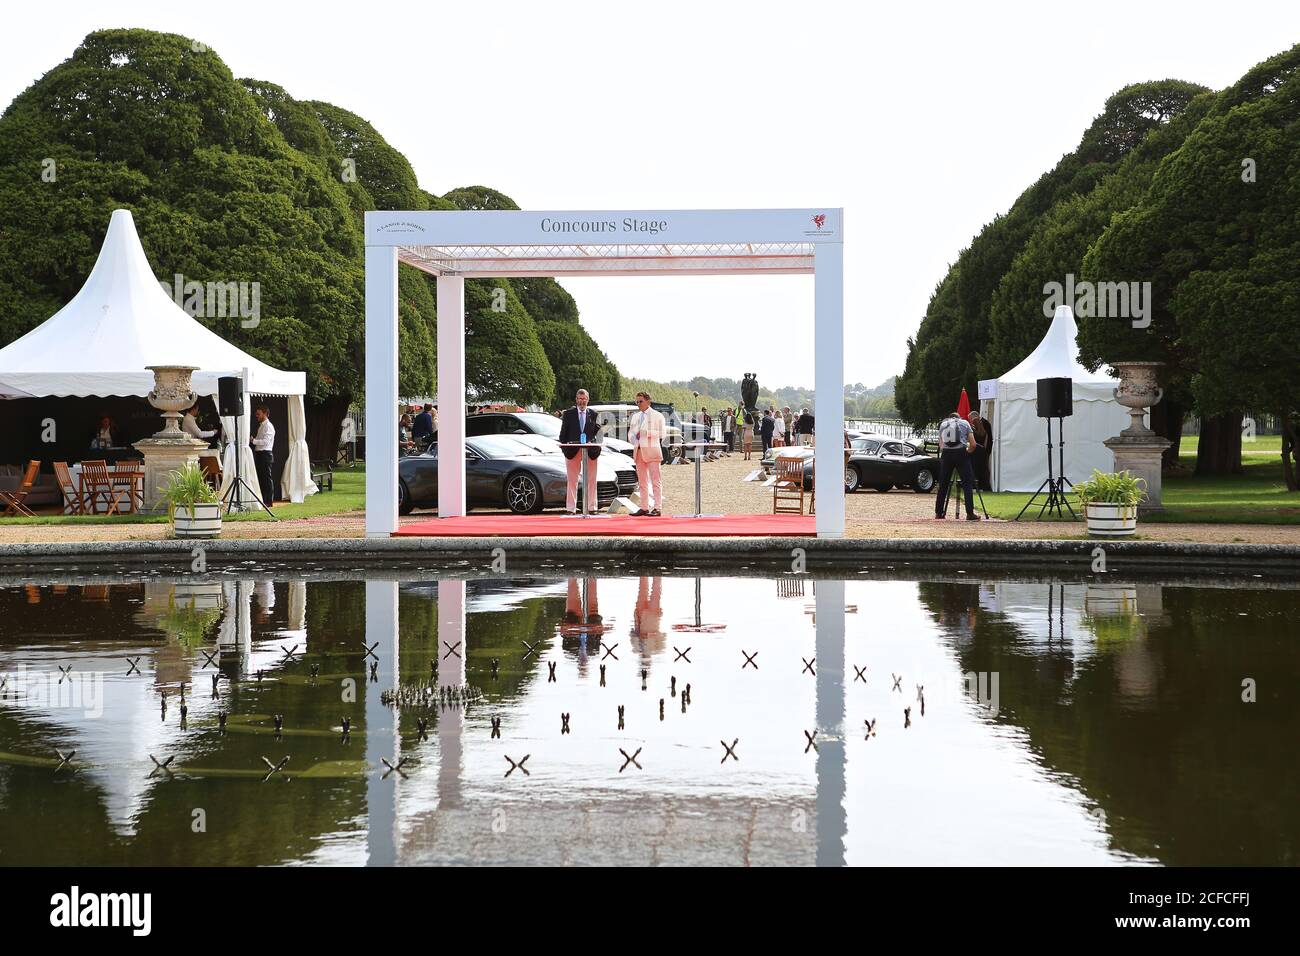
x: 807, y: 427
x: 729, y: 429
x: 983, y: 449
x: 190, y: 424
x: 264, y: 453
x: 778, y: 431
x: 765, y: 430
x: 646, y: 431
x: 422, y: 428
x: 956, y: 444
x: 747, y: 431
x: 578, y: 426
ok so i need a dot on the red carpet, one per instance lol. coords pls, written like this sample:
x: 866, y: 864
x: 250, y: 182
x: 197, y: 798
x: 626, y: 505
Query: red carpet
x: 504, y: 525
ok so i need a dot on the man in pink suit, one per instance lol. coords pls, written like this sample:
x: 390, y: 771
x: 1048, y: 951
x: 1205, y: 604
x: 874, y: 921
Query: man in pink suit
x: 646, y: 432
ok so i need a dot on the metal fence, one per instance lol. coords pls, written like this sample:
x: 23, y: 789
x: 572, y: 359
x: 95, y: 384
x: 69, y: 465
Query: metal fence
x: 1265, y: 423
x: 894, y: 428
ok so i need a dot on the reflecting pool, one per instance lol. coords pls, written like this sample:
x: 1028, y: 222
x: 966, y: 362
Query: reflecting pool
x: 613, y: 715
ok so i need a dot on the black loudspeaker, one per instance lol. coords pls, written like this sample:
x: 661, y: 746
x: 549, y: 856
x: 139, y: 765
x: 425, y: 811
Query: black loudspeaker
x: 230, y: 396
x: 1055, y: 397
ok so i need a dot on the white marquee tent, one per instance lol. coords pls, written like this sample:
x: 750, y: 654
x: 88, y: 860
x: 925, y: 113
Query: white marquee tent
x: 122, y: 321
x: 1020, y: 436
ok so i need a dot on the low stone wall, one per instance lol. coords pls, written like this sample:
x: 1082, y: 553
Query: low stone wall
x: 733, y: 553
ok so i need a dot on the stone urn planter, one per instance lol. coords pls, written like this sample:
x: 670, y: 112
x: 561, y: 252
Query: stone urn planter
x: 1137, y: 391
x: 1137, y: 449
x: 171, y: 395
x: 169, y: 449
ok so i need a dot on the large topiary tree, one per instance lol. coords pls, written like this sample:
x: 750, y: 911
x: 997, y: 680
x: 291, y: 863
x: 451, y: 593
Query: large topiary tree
x: 1218, y: 232
x: 943, y: 357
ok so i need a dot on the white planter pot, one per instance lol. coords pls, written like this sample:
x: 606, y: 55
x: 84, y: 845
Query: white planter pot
x: 1111, y: 520
x: 205, y: 522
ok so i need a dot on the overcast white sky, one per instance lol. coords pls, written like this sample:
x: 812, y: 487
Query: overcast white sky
x: 922, y: 120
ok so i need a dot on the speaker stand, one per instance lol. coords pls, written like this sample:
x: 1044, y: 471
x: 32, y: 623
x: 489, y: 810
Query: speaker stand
x: 1057, y: 497
x: 231, y: 499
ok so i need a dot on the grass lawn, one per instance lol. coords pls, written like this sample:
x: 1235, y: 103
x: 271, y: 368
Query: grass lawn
x: 1258, y: 496
x: 349, y: 494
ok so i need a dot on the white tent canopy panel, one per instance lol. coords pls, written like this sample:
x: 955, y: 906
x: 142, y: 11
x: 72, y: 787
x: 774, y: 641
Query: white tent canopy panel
x: 1020, y: 436
x: 118, y: 324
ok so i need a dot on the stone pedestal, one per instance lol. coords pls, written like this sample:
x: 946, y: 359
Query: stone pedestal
x: 1141, y: 456
x: 162, y: 456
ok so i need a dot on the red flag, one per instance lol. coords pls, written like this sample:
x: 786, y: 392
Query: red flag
x: 963, y: 406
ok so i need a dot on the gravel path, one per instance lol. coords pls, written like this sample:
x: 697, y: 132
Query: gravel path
x: 870, y: 514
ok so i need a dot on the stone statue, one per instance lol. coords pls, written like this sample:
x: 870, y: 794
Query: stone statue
x: 749, y: 391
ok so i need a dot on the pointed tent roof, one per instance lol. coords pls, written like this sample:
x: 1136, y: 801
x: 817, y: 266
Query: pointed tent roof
x: 120, y: 322
x: 1057, y: 356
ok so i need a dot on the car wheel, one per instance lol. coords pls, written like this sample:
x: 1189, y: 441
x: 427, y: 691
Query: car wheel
x: 404, y: 504
x: 884, y: 488
x: 523, y: 494
x: 851, y: 480
x: 924, y: 481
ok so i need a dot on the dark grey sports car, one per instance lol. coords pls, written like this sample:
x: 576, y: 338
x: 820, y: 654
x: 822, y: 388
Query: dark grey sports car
x: 886, y: 463
x: 524, y: 473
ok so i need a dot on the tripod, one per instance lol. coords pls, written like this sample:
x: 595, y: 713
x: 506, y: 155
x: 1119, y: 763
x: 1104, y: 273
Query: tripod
x: 955, y: 479
x: 231, y: 499
x: 1055, y: 484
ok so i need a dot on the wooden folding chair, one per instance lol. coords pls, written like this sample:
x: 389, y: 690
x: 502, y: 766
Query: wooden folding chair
x: 73, y: 496
x: 128, y: 477
x: 788, y: 492
x: 211, y: 469
x: 13, y: 500
x: 97, y: 483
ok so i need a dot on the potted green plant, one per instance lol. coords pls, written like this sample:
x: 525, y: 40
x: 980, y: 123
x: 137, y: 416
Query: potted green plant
x: 192, y: 505
x: 1110, y: 502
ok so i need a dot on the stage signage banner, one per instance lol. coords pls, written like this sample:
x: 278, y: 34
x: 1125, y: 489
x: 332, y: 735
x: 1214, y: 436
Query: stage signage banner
x: 678, y: 227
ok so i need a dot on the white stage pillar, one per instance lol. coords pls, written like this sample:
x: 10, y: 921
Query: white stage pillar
x: 828, y: 381
x: 451, y: 396
x: 832, y: 816
x: 381, y: 391
x: 383, y: 740
x: 451, y: 673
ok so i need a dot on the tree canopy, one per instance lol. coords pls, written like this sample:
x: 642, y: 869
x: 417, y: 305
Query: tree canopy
x: 235, y: 180
x: 1191, y: 191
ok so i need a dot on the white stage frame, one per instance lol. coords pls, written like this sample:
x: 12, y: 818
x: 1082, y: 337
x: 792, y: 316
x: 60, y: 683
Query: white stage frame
x: 454, y: 246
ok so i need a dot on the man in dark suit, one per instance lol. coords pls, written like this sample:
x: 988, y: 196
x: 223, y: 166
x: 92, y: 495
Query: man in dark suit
x: 765, y: 430
x: 422, y: 430
x: 575, y: 423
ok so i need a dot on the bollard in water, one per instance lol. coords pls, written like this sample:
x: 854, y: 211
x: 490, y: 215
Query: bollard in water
x: 496, y: 727
x: 907, y: 717
x: 620, y: 716
x: 672, y: 687
x: 602, y: 675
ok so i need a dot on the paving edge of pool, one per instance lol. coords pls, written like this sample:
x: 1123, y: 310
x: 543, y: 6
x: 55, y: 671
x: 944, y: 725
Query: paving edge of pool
x: 1164, y: 555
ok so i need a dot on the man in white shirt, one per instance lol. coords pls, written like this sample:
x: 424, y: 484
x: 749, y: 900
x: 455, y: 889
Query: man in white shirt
x: 646, y: 431
x: 264, y: 453
x: 190, y: 425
